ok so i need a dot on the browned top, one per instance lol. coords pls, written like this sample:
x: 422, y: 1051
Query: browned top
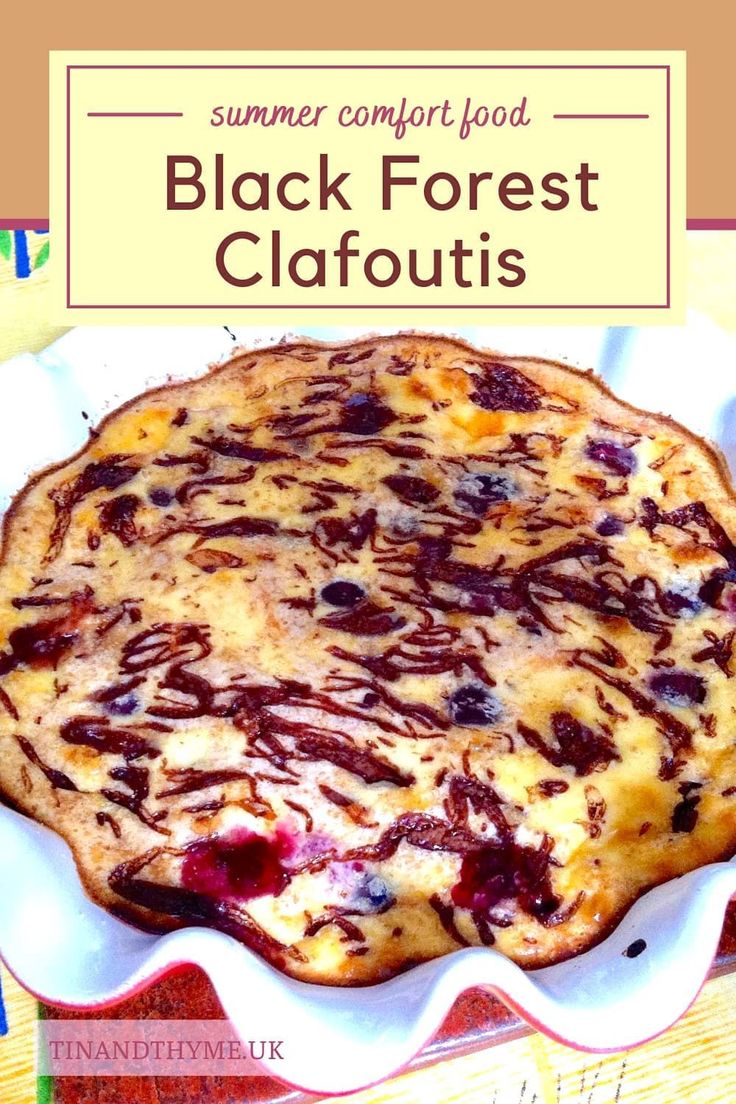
x: 364, y: 653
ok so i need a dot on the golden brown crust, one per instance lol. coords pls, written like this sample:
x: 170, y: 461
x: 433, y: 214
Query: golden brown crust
x: 428, y: 617
x: 710, y: 448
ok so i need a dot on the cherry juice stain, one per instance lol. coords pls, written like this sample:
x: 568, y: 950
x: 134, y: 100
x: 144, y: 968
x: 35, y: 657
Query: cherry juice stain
x: 241, y: 864
x: 507, y: 871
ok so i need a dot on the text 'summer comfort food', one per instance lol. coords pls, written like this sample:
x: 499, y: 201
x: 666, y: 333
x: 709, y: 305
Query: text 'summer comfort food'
x: 365, y: 653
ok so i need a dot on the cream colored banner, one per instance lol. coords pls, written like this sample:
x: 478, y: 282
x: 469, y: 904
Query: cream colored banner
x: 406, y: 188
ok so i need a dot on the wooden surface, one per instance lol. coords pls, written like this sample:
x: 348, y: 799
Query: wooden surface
x: 694, y: 1061
x: 17, y: 1048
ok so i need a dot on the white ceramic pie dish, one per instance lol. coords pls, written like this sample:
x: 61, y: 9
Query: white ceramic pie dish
x: 69, y: 951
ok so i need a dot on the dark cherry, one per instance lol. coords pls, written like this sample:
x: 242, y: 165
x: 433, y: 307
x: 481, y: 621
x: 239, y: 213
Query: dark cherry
x: 41, y: 644
x: 160, y: 496
x: 411, y: 488
x: 679, y: 688
x: 242, y: 864
x: 685, y: 812
x: 712, y: 589
x: 342, y: 593
x: 675, y: 602
x: 365, y: 414
x: 615, y: 458
x: 473, y: 706
x: 373, y: 895
x: 610, y: 526
x: 506, y: 871
x: 123, y: 707
x: 476, y: 491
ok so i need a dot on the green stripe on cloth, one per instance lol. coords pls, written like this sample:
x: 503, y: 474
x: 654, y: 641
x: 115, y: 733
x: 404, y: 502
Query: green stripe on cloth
x: 44, y: 1085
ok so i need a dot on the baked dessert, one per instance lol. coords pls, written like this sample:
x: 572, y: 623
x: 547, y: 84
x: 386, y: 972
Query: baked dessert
x: 365, y: 653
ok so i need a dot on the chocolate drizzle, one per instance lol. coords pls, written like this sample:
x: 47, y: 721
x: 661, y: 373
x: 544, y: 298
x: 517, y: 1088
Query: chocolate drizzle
x: 677, y: 733
x: 241, y: 450
x: 684, y: 517
x: 107, y: 474
x: 58, y: 779
x: 364, y: 619
x: 117, y: 516
x: 98, y: 734
x: 193, y: 907
x: 501, y: 387
x: 44, y: 643
x: 577, y: 745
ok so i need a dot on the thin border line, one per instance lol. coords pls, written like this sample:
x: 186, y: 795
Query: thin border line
x: 68, y: 185
x: 355, y: 306
x: 135, y: 114
x: 691, y: 224
x: 669, y: 195
x: 276, y: 65
x: 369, y: 306
x: 600, y: 116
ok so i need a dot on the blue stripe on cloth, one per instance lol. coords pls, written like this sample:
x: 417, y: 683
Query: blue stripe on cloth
x: 22, y: 260
x: 3, y: 1017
